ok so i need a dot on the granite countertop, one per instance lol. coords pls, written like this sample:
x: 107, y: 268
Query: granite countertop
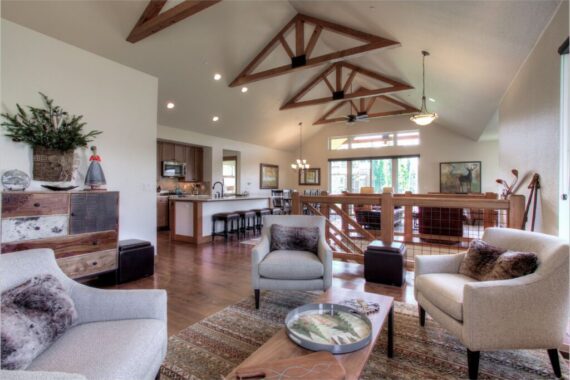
x: 209, y: 198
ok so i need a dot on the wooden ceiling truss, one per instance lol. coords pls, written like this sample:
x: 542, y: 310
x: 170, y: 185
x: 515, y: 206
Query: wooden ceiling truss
x: 302, y: 54
x: 152, y: 21
x: 343, y: 91
x: 363, y: 106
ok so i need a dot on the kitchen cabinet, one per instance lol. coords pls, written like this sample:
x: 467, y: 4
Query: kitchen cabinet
x: 168, y: 151
x: 193, y: 156
x: 162, y: 212
x: 180, y: 153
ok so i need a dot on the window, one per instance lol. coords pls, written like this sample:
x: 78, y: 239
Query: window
x: 339, y: 177
x: 352, y: 175
x: 229, y: 172
x: 378, y: 140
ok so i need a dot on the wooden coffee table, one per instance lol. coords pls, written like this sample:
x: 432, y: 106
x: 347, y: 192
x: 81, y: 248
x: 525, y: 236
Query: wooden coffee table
x: 281, y: 347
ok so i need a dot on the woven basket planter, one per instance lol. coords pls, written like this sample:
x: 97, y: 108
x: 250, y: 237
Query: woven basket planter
x: 52, y: 165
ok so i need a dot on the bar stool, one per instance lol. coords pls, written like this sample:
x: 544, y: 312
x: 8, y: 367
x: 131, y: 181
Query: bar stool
x: 231, y: 224
x: 247, y: 221
x: 259, y: 213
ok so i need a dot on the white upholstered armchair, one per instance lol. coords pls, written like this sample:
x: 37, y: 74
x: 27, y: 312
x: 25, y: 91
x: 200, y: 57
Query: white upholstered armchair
x: 118, y: 334
x: 529, y: 312
x: 291, y: 270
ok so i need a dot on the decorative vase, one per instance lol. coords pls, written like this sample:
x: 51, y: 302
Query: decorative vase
x: 15, y: 180
x: 52, y: 165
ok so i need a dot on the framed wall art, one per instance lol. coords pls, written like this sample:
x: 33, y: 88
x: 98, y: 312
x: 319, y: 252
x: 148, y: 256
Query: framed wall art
x: 268, y: 176
x: 310, y: 177
x: 460, y: 177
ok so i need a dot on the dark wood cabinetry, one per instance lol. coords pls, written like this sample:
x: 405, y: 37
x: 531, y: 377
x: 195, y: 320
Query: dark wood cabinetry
x: 193, y: 156
x: 81, y: 227
x: 162, y: 212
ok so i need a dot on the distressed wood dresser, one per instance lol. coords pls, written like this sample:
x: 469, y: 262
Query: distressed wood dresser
x: 81, y: 228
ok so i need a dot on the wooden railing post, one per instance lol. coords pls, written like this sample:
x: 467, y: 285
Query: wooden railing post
x: 344, y: 208
x: 325, y: 211
x: 296, y: 204
x: 408, y: 220
x: 516, y: 211
x: 387, y: 216
x: 489, y: 215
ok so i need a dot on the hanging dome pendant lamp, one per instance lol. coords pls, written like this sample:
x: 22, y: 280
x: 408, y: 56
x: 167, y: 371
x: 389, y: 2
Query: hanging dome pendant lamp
x: 300, y: 163
x: 424, y: 117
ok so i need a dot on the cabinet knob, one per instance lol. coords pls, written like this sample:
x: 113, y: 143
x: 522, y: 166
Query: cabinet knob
x: 94, y: 263
x: 94, y: 242
x: 36, y: 204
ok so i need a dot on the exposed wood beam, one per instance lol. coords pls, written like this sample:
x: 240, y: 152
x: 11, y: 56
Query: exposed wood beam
x: 299, y: 37
x: 329, y: 84
x: 371, y: 42
x: 393, y: 86
x: 309, y: 86
x: 371, y: 103
x: 286, y: 47
x: 338, y: 77
x: 313, y: 41
x: 152, y: 21
x: 349, y: 80
x: 405, y: 109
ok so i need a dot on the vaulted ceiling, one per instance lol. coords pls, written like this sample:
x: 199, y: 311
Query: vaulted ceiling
x: 476, y: 49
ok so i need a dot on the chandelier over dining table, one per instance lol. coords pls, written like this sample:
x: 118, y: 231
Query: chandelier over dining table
x: 300, y: 163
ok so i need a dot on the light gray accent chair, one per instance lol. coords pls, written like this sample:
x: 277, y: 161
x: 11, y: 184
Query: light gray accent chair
x: 290, y: 270
x: 529, y: 312
x: 119, y: 334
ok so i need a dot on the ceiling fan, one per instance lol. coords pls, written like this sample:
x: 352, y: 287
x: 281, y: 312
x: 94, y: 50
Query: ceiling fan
x: 355, y: 115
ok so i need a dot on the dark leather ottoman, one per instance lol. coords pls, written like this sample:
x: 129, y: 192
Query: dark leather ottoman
x: 385, y: 264
x: 136, y: 260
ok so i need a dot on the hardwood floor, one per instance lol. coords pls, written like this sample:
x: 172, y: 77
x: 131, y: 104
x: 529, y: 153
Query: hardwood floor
x: 205, y: 279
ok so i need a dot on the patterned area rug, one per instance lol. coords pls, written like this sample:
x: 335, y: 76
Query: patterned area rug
x: 212, y: 347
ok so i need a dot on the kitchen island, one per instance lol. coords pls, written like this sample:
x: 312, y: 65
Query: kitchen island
x: 191, y: 215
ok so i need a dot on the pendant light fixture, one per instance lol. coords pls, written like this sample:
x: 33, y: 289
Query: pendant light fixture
x: 300, y: 163
x: 424, y: 117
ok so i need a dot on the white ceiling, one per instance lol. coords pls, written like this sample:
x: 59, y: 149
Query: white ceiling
x: 476, y: 49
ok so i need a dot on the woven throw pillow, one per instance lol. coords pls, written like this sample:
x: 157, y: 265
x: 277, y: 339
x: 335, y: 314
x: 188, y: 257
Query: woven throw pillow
x: 485, y: 262
x: 294, y: 238
x: 34, y: 315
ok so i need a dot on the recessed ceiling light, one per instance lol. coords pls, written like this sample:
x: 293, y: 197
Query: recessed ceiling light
x: 217, y: 76
x: 215, y: 118
x: 244, y: 89
x: 432, y: 100
x: 170, y: 105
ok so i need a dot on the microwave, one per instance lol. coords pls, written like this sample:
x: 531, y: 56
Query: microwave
x: 173, y: 169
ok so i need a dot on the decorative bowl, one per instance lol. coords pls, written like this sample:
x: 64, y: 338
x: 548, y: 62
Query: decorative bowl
x: 15, y: 180
x: 329, y: 327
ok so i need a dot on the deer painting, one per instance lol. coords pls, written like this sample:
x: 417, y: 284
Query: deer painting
x: 465, y: 180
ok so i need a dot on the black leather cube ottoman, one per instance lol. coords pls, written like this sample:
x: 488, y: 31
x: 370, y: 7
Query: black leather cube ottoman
x: 136, y: 260
x: 385, y: 264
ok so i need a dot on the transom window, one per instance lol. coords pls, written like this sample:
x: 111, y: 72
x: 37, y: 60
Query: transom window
x: 376, y: 140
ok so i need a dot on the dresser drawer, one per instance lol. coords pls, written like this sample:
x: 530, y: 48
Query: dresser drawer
x: 89, y: 264
x: 34, y: 204
x: 24, y: 228
x: 70, y: 245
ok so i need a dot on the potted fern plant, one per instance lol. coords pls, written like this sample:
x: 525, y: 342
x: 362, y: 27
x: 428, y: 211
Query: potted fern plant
x: 53, y: 135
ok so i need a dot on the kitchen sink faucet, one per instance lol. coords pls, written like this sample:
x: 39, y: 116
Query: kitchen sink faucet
x: 222, y: 185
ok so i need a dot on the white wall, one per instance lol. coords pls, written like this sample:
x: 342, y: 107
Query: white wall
x: 529, y: 120
x: 113, y: 98
x: 250, y: 157
x: 437, y: 145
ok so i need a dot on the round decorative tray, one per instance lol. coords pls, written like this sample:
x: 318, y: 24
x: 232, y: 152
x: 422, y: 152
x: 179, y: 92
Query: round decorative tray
x: 328, y: 327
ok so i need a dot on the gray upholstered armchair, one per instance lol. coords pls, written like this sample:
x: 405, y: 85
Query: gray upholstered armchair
x: 118, y: 334
x: 529, y: 312
x: 291, y: 270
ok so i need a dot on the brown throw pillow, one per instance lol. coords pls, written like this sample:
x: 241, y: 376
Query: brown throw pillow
x: 294, y: 238
x: 485, y: 262
x: 34, y: 314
